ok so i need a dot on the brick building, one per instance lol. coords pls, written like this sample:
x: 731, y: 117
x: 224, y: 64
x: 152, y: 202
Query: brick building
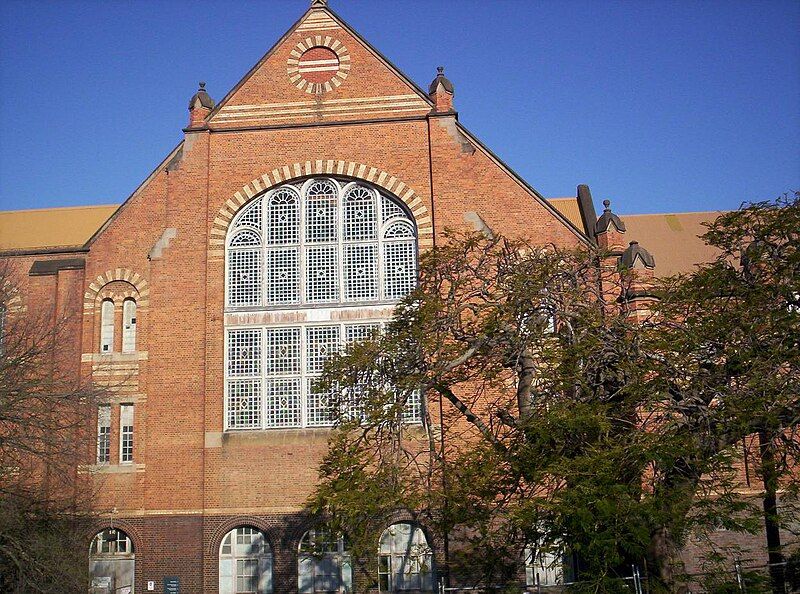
x: 288, y: 220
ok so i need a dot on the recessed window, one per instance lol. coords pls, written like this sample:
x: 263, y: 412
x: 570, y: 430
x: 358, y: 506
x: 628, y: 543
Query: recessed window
x: 405, y: 560
x: 126, y: 433
x: 245, y: 562
x: 104, y: 434
x: 545, y: 567
x: 128, y: 326
x: 323, y: 564
x: 111, y: 562
x: 107, y: 326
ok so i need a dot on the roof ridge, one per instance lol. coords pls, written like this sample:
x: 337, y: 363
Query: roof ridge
x: 77, y: 207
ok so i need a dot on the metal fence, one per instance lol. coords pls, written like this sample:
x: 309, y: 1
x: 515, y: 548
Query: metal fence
x: 779, y: 578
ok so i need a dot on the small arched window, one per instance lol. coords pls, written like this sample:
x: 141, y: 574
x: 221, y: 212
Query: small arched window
x: 111, y: 562
x: 107, y: 326
x: 323, y: 564
x: 405, y: 560
x: 545, y: 567
x: 128, y: 326
x: 245, y: 562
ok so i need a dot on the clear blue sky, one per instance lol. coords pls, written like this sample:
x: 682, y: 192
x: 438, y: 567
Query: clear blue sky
x: 661, y: 106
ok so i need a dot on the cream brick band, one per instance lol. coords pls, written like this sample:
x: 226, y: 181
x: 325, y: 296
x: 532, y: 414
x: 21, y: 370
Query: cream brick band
x: 92, y: 295
x: 287, y: 173
x: 293, y: 64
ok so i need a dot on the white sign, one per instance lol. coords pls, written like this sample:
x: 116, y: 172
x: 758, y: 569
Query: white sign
x: 151, y: 585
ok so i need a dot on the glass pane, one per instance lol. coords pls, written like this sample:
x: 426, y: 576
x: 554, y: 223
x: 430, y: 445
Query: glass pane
x: 282, y: 351
x: 283, y: 403
x: 251, y: 216
x: 244, y: 352
x: 283, y: 276
x: 244, y: 404
x: 244, y: 277
x: 322, y: 273
x: 361, y: 272
x: 321, y: 206
x: 360, y: 222
x: 283, y: 218
x: 399, y: 269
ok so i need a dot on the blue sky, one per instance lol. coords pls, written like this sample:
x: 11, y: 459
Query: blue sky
x: 659, y: 106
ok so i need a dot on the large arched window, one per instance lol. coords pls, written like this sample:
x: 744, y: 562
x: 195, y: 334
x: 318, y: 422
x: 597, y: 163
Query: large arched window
x: 323, y: 564
x: 111, y: 563
x: 311, y: 266
x: 405, y: 560
x: 245, y: 562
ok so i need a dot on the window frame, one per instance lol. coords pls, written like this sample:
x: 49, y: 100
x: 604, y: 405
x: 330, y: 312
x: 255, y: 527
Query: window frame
x: 250, y: 392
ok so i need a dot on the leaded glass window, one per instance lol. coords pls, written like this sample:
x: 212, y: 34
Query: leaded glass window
x: 323, y: 245
x: 324, y: 241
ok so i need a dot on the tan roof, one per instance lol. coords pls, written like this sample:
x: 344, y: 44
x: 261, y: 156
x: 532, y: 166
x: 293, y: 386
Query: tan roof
x: 569, y: 208
x: 672, y: 239
x: 51, y: 227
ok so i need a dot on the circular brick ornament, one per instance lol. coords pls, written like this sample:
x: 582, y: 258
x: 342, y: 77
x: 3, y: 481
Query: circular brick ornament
x: 318, y: 64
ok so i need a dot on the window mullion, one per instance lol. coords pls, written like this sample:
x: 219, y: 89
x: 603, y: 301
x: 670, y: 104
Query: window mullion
x: 303, y: 363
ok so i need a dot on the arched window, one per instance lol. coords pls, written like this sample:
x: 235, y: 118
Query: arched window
x: 548, y: 567
x: 325, y: 262
x: 323, y: 564
x: 245, y: 562
x: 405, y: 560
x: 128, y: 326
x: 107, y: 326
x: 111, y: 563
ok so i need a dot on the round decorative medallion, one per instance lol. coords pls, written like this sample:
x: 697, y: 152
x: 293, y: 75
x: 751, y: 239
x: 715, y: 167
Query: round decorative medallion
x: 318, y: 64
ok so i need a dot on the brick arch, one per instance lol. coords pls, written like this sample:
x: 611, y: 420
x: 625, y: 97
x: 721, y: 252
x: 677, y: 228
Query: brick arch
x: 119, y: 523
x: 287, y: 173
x: 90, y: 298
x: 215, y: 541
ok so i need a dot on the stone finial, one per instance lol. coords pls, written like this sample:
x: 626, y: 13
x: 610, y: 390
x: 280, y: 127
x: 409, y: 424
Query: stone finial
x: 319, y: 3
x: 441, y: 91
x: 200, y: 105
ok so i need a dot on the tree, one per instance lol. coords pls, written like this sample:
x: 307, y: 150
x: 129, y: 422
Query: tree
x: 43, y: 441
x: 560, y: 417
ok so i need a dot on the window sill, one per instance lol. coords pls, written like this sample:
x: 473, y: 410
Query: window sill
x: 126, y: 468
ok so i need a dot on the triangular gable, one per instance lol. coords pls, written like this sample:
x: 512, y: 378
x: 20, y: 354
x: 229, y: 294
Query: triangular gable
x: 320, y: 70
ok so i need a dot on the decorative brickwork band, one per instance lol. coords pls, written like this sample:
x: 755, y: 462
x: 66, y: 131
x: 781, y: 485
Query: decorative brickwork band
x: 422, y: 217
x: 91, y: 297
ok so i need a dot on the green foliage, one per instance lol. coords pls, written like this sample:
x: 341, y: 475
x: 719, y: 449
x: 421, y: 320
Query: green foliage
x: 612, y: 437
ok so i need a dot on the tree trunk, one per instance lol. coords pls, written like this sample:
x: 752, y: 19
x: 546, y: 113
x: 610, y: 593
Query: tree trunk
x: 660, y: 557
x: 770, y: 477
